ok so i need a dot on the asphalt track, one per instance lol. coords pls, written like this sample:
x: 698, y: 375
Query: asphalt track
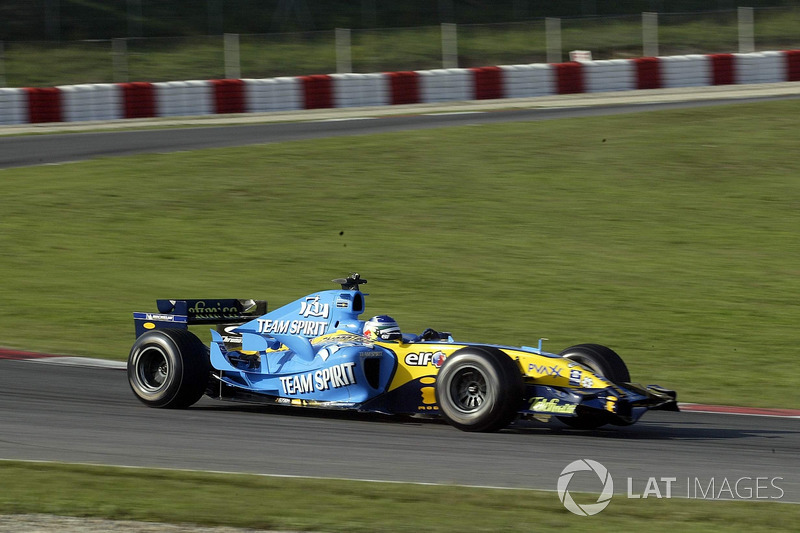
x: 57, y: 412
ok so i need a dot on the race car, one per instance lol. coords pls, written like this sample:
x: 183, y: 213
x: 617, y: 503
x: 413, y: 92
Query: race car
x: 317, y: 352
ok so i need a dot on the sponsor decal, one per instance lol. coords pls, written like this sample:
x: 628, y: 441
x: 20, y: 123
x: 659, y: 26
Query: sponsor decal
x: 425, y: 358
x: 201, y: 310
x: 149, y: 325
x: 545, y: 370
x: 159, y: 317
x: 308, y: 328
x: 165, y: 318
x: 311, y: 307
x: 575, y: 377
x: 367, y: 355
x: 587, y: 382
x: 345, y: 339
x: 324, y: 379
x: 230, y: 336
x: 543, y: 405
x: 337, y: 342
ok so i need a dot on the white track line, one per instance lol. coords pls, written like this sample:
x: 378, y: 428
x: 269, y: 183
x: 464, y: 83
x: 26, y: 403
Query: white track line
x: 86, y: 362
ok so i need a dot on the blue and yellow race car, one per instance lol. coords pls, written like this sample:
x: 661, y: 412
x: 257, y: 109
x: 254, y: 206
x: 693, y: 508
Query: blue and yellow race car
x: 317, y: 352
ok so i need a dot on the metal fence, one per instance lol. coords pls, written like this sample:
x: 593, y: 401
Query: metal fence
x: 50, y: 63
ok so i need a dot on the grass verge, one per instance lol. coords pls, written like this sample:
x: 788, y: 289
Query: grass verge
x: 347, y: 506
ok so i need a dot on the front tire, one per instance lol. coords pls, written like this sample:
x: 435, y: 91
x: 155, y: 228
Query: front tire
x: 600, y: 360
x: 168, y: 368
x: 479, y: 389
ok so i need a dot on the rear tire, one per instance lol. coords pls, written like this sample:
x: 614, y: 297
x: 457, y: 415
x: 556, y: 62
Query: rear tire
x: 479, y: 389
x: 168, y: 368
x: 600, y: 360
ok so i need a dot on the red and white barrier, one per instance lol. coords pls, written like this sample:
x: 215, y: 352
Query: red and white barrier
x: 139, y: 100
x: 526, y: 81
x: 445, y: 85
x: 229, y: 96
x: 184, y: 98
x: 73, y: 103
x: 101, y: 101
x: 13, y: 106
x: 487, y: 83
x: 360, y: 90
x: 764, y: 67
x: 403, y: 87
x: 613, y: 75
x: 685, y: 71
x: 273, y: 94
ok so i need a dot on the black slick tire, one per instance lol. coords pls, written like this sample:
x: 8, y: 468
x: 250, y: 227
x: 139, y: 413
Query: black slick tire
x: 600, y: 359
x: 168, y: 368
x: 479, y: 389
x: 603, y: 361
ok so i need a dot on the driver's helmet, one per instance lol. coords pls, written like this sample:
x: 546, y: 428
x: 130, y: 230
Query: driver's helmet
x: 382, y: 328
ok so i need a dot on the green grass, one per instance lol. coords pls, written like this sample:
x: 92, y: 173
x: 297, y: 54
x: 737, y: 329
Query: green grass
x: 347, y: 506
x: 391, y: 49
x: 669, y: 236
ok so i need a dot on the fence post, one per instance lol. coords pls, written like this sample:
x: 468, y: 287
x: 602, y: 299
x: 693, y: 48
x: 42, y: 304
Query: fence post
x: 119, y: 59
x: 649, y: 34
x: 2, y: 64
x: 746, y: 31
x: 449, y: 45
x: 233, y: 70
x: 344, y: 59
x: 552, y: 28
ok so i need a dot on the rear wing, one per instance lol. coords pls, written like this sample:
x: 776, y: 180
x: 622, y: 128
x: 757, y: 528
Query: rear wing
x: 180, y: 314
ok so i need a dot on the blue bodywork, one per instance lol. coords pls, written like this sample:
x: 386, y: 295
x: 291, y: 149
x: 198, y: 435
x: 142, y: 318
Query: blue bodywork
x: 312, y: 352
x: 278, y: 358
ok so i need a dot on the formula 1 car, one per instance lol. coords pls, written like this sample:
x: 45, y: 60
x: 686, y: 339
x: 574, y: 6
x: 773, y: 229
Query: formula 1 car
x: 316, y: 352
